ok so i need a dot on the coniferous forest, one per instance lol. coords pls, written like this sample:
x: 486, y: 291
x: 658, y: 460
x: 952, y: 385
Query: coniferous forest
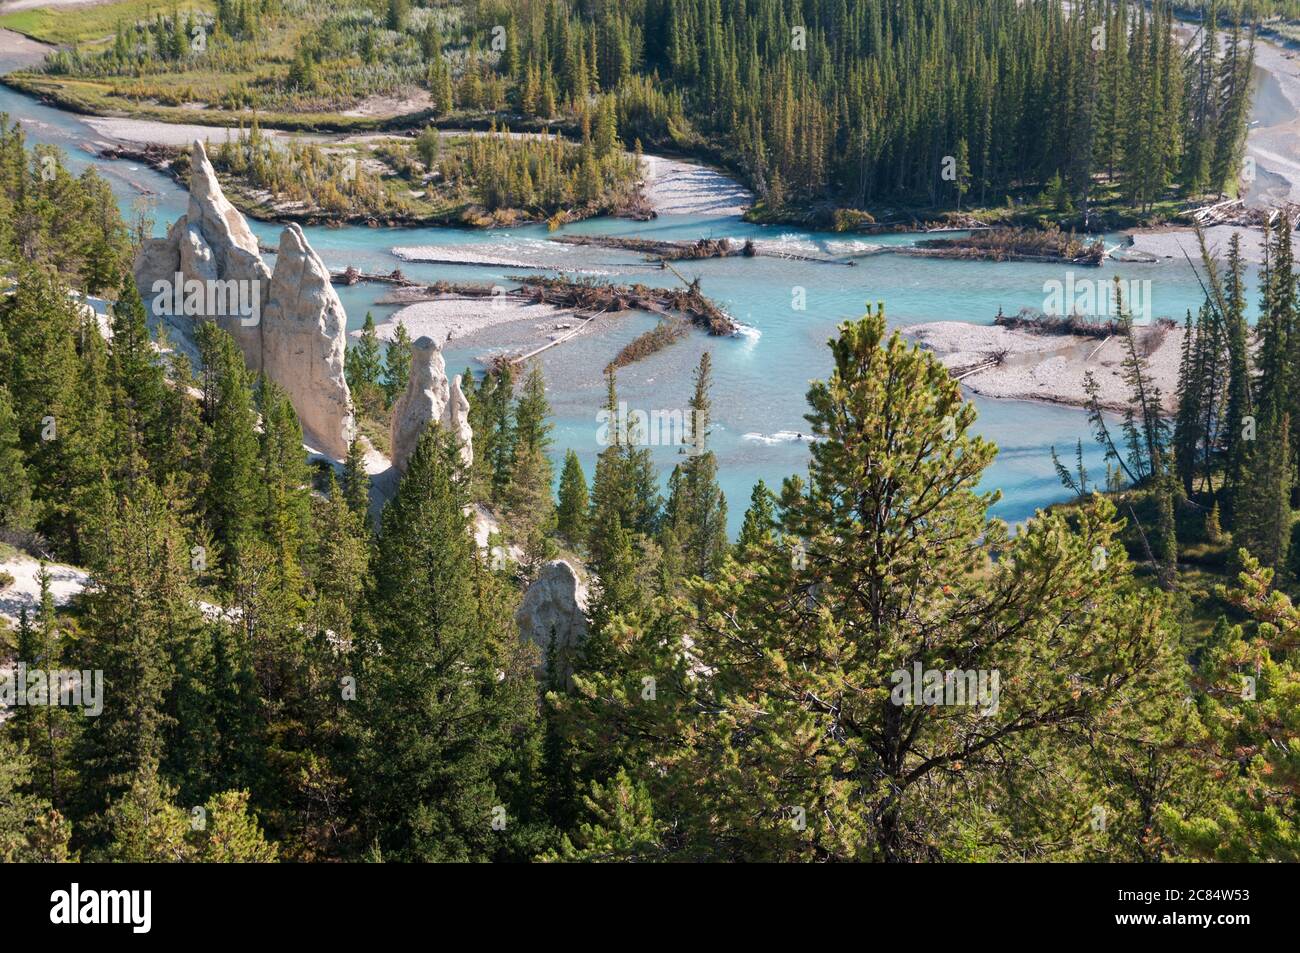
x: 298, y: 667
x: 845, y: 112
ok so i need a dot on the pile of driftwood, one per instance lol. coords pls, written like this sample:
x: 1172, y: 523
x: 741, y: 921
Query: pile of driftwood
x: 671, y: 251
x: 1235, y: 212
x: 1014, y: 244
x: 1073, y: 324
x: 590, y: 296
x: 582, y: 297
x: 158, y: 157
x: 351, y: 276
x: 690, y: 251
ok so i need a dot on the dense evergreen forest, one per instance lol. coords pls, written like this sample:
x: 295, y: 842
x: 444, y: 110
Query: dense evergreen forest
x: 845, y: 111
x: 286, y: 678
x: 862, y: 104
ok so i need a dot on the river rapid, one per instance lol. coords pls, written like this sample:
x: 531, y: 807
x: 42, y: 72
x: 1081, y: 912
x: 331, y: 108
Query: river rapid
x: 761, y: 376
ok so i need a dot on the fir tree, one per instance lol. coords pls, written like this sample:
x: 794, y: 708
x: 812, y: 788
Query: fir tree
x: 1240, y: 404
x: 528, y: 500
x: 1263, y: 507
x: 397, y: 364
x: 356, y: 483
x: 442, y: 689
x: 697, y: 511
x: 760, y: 520
x: 16, y: 511
x: 139, y: 611
x: 364, y: 365
x: 571, y: 514
x: 230, y: 502
x: 137, y: 387
x: 30, y: 830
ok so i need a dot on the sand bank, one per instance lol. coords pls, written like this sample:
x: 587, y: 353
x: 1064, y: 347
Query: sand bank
x: 455, y: 317
x: 684, y: 188
x: 143, y: 132
x: 1172, y: 243
x: 1274, y: 137
x: 1272, y: 142
x: 20, y: 51
x: 528, y: 253
x: 1048, y: 367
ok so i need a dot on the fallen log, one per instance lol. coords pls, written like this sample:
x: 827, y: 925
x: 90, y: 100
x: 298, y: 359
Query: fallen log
x: 968, y: 371
x: 351, y: 276
x: 586, y: 323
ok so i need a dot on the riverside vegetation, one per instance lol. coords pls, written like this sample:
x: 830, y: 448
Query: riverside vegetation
x: 433, y: 179
x: 327, y: 687
x: 845, y: 115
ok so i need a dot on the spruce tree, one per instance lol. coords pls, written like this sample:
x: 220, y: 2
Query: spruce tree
x: 1240, y: 404
x: 16, y: 512
x: 1263, y: 508
x: 397, y: 364
x: 230, y: 501
x: 571, y: 514
x: 48, y: 730
x: 26, y: 821
x: 529, y: 504
x: 41, y: 328
x: 1276, y: 327
x: 760, y: 520
x: 1166, y: 490
x: 438, y: 688
x: 356, y: 483
x: 364, y: 364
x: 137, y: 386
x: 140, y: 610
x: 696, y: 509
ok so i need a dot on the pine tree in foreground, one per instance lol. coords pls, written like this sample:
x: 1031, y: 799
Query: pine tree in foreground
x: 798, y: 712
x: 1250, y: 702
